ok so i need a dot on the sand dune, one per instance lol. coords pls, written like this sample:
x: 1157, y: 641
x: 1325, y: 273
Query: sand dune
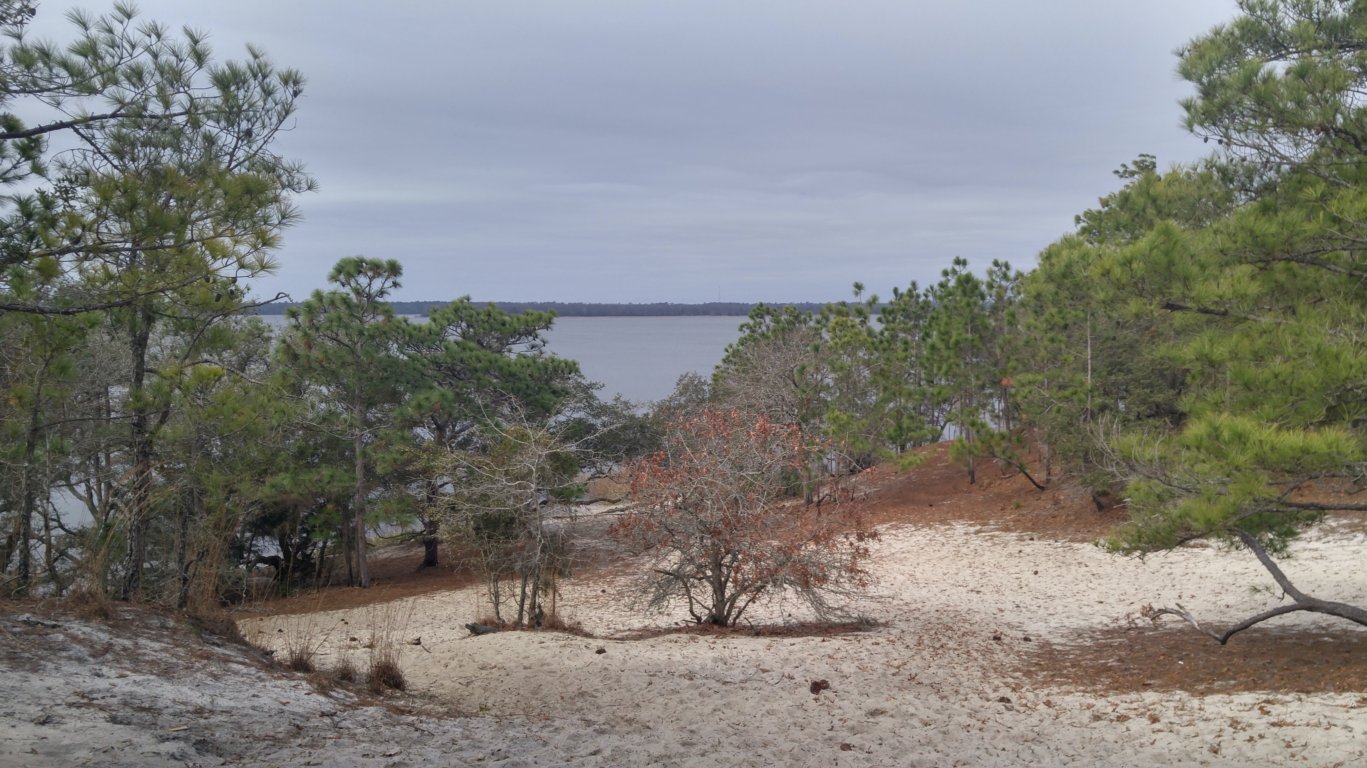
x: 944, y: 679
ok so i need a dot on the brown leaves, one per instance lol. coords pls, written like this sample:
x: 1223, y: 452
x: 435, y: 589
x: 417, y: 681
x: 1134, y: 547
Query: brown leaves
x: 716, y: 507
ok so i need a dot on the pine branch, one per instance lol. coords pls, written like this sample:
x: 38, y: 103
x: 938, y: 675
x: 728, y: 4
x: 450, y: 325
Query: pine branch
x: 1173, y: 306
x: 76, y: 122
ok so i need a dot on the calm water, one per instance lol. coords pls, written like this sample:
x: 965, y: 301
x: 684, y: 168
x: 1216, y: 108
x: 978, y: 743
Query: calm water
x: 638, y: 358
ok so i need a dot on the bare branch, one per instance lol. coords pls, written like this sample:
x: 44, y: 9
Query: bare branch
x: 1301, y: 601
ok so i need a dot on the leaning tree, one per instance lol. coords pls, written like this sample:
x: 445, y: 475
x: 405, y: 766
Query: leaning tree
x: 1264, y: 309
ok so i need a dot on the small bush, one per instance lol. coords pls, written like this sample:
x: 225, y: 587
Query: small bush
x: 302, y: 641
x: 90, y: 605
x: 385, y: 674
x: 213, y: 620
x: 554, y: 622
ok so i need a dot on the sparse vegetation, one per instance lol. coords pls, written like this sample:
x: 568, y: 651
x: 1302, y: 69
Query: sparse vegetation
x: 301, y: 641
x: 343, y: 670
x: 388, y: 623
x: 384, y: 673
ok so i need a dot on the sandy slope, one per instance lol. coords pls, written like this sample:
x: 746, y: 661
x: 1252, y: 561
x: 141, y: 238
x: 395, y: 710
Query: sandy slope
x: 943, y: 681
x: 147, y: 692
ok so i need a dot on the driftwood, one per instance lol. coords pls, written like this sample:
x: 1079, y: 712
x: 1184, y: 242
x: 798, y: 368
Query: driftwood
x: 1300, y: 600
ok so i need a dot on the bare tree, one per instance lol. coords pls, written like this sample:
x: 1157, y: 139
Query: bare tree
x: 501, y: 503
x: 718, y: 520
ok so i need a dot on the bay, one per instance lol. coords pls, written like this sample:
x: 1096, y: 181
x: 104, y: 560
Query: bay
x: 640, y: 358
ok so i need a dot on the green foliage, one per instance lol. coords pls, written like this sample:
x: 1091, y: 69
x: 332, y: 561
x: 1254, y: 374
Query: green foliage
x: 1091, y: 352
x: 474, y: 363
x: 174, y: 187
x: 1281, y: 86
x: 774, y: 368
x: 935, y: 361
x: 1243, y: 278
x: 345, y: 344
x: 166, y: 194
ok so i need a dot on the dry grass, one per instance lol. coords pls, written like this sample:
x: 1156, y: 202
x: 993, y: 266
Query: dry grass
x: 299, y: 658
x: 214, y: 620
x: 552, y: 621
x: 385, y: 674
x: 344, y: 671
x: 301, y: 643
x: 90, y: 605
x: 388, y: 623
x: 555, y: 623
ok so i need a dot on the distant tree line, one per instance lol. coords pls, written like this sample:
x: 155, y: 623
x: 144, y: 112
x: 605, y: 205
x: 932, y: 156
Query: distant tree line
x: 579, y: 309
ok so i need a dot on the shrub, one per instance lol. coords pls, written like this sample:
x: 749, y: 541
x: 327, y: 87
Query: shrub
x: 715, y: 517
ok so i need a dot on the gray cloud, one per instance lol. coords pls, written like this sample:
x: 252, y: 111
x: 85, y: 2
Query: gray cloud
x: 681, y: 151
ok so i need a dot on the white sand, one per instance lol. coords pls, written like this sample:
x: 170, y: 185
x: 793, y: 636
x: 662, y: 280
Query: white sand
x: 929, y: 687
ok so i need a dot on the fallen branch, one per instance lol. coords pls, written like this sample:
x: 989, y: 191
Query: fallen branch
x: 1300, y: 601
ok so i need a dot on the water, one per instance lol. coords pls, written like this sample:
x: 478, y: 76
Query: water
x: 639, y: 358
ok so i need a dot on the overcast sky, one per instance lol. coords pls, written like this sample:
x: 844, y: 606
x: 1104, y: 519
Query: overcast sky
x: 691, y: 150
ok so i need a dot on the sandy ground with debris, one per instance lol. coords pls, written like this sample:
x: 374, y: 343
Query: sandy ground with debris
x: 943, y: 681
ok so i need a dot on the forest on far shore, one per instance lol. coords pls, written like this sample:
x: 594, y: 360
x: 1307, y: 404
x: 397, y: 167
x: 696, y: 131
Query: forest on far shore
x: 580, y: 309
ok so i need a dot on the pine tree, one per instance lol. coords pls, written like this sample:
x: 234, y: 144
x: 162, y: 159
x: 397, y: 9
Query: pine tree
x: 345, y: 342
x: 1263, y: 309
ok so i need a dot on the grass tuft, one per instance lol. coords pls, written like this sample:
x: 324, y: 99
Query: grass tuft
x: 388, y: 623
x: 385, y: 674
x: 344, y: 670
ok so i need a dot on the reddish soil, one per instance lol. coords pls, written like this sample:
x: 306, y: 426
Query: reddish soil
x: 938, y: 492
x: 1182, y: 659
x: 395, y: 573
x: 1128, y: 659
x: 1002, y: 499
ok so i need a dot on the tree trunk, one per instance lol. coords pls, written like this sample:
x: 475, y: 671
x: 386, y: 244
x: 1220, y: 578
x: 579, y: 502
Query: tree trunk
x: 27, y: 506
x: 50, y: 551
x: 430, y: 541
x: 183, y: 550
x: 522, y: 598
x: 140, y: 439
x: 358, y: 507
x: 718, y: 613
x: 348, y: 551
x: 321, y: 564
